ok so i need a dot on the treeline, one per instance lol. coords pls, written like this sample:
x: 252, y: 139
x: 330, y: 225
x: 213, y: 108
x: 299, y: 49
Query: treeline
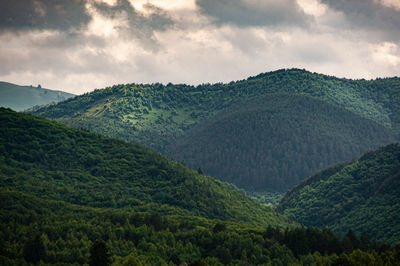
x: 53, y: 232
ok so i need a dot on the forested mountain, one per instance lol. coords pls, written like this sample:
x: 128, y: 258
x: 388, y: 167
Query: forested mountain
x: 167, y: 118
x: 363, y: 195
x: 275, y: 141
x: 52, y: 161
x: 23, y: 97
x: 69, y: 196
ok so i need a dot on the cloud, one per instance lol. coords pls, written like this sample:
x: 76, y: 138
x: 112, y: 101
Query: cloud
x: 381, y: 18
x: 246, y: 13
x: 134, y: 24
x: 151, y: 17
x: 109, y: 42
x: 386, y: 53
x: 73, y: 16
x: 42, y: 14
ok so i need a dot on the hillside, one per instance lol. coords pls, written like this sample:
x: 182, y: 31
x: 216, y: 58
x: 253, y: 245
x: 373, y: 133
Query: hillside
x: 52, y: 161
x: 164, y: 117
x: 363, y: 195
x: 64, y: 191
x: 275, y: 141
x: 23, y: 97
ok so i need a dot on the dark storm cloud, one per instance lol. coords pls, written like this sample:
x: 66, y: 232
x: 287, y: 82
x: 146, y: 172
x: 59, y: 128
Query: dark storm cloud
x: 65, y: 15
x: 18, y: 15
x: 245, y: 13
x: 368, y: 15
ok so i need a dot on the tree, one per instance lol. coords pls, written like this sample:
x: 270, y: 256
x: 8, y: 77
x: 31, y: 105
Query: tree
x: 131, y: 260
x: 199, y: 171
x: 34, y: 250
x: 99, y: 254
x: 219, y: 227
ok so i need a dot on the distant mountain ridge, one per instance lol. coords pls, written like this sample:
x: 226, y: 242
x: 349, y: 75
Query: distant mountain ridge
x: 164, y: 117
x: 363, y: 195
x: 21, y: 98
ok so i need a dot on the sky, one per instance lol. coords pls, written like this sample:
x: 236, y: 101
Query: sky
x: 80, y: 45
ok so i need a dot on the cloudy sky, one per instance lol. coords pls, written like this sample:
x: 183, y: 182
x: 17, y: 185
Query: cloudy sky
x: 80, y: 45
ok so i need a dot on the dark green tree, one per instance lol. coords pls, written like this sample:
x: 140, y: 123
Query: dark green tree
x: 99, y: 254
x: 199, y: 171
x: 34, y: 250
x: 219, y: 227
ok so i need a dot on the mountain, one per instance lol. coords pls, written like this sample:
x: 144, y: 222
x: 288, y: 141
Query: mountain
x: 275, y: 141
x: 69, y: 196
x: 52, y: 161
x: 63, y: 190
x: 23, y: 97
x: 172, y: 118
x: 363, y: 195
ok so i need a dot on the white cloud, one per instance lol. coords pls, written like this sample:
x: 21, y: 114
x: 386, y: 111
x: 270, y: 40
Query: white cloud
x: 386, y: 53
x: 166, y: 5
x: 312, y: 7
x: 390, y: 3
x: 101, y: 25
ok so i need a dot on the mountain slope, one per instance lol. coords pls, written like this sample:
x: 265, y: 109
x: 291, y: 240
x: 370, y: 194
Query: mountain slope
x: 52, y: 161
x: 162, y: 117
x: 275, y: 141
x: 363, y: 195
x: 23, y: 97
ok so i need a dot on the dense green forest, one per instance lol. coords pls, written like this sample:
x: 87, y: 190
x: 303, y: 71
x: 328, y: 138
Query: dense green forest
x: 56, y: 232
x: 53, y: 161
x: 363, y: 195
x: 23, y: 97
x: 169, y: 117
x: 70, y: 196
x: 274, y: 142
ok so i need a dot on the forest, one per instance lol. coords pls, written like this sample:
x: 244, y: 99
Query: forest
x: 70, y: 196
x: 86, y: 187
x: 363, y: 195
x: 174, y: 119
x: 50, y: 160
x: 274, y: 142
x: 52, y: 232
